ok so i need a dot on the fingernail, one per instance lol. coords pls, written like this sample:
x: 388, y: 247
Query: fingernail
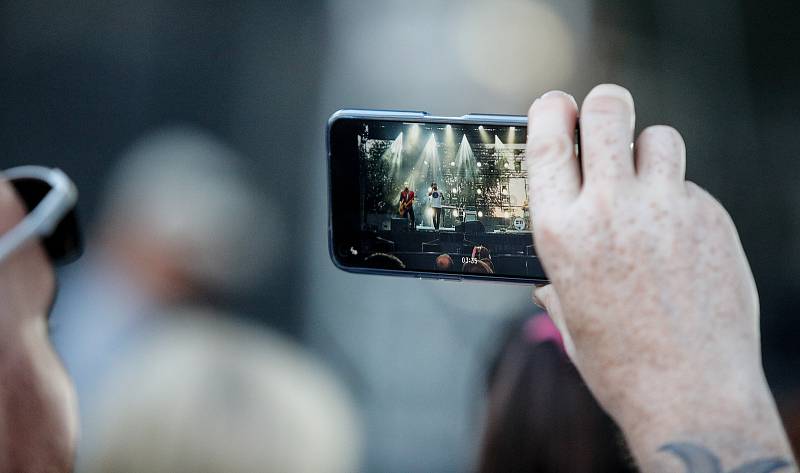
x: 560, y: 93
x: 613, y: 90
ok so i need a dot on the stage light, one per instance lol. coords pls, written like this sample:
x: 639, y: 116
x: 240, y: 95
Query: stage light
x: 511, y: 131
x: 397, y: 144
x: 449, y: 127
x: 485, y: 138
x: 479, y: 192
x: 394, y: 154
x: 452, y: 163
x: 455, y: 190
x: 449, y: 139
x: 480, y: 214
x: 479, y: 164
x: 502, y: 153
x: 455, y: 213
x: 426, y: 163
x: 413, y: 133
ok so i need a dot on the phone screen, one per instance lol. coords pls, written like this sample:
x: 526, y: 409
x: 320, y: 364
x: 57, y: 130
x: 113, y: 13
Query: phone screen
x: 431, y: 198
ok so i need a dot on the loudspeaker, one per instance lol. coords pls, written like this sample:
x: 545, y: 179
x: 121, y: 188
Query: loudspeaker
x: 471, y: 227
x: 451, y: 237
x: 399, y: 224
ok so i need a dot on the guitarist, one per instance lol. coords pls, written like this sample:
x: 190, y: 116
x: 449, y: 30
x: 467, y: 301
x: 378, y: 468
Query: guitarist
x: 406, y: 208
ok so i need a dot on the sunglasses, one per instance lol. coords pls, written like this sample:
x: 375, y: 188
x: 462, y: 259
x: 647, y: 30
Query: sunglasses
x: 50, y: 197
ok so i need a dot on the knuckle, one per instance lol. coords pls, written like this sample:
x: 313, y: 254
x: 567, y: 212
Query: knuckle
x: 552, y: 233
x: 547, y: 146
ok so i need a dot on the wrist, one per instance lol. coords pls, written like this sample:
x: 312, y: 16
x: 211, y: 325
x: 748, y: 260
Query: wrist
x: 737, y: 425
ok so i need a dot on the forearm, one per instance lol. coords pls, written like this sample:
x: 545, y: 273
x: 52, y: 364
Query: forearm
x: 727, y: 432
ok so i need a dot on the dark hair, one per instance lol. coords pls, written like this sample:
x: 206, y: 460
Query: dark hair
x: 542, y: 418
x: 481, y: 252
x: 477, y: 267
x: 383, y: 261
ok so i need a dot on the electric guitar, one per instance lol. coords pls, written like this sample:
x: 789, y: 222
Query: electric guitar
x: 404, y: 206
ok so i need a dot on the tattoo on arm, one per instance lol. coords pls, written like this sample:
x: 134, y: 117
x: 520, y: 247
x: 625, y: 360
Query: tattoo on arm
x: 698, y: 459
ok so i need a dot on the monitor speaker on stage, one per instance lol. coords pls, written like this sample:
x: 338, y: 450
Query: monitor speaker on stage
x: 471, y: 227
x: 399, y: 224
x: 451, y: 237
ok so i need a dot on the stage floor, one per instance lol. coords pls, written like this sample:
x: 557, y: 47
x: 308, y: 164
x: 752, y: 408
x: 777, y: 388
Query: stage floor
x: 448, y: 240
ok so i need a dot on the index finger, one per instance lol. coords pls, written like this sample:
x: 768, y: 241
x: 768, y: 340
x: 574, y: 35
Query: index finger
x: 553, y: 172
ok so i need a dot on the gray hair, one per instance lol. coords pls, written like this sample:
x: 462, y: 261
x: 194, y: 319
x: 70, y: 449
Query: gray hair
x: 212, y: 396
x: 185, y: 189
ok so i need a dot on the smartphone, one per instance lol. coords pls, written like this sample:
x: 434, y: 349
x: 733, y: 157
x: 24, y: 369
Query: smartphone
x: 428, y: 196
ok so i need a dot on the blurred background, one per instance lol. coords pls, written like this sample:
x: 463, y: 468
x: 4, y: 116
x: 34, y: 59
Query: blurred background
x: 195, y: 133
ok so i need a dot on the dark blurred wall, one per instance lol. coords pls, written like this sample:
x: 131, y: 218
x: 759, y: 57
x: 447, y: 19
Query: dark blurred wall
x: 725, y: 74
x: 773, y: 228
x: 79, y: 81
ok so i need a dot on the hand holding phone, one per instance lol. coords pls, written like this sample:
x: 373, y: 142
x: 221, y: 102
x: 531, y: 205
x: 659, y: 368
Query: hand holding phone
x: 650, y: 288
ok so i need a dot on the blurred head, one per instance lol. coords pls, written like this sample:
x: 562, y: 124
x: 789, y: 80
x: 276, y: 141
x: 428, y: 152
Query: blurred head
x: 181, y: 216
x: 208, y: 396
x: 540, y: 416
x: 444, y: 262
x: 405, y: 189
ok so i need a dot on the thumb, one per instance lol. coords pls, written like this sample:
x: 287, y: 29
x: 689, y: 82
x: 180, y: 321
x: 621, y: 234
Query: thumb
x: 547, y: 298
